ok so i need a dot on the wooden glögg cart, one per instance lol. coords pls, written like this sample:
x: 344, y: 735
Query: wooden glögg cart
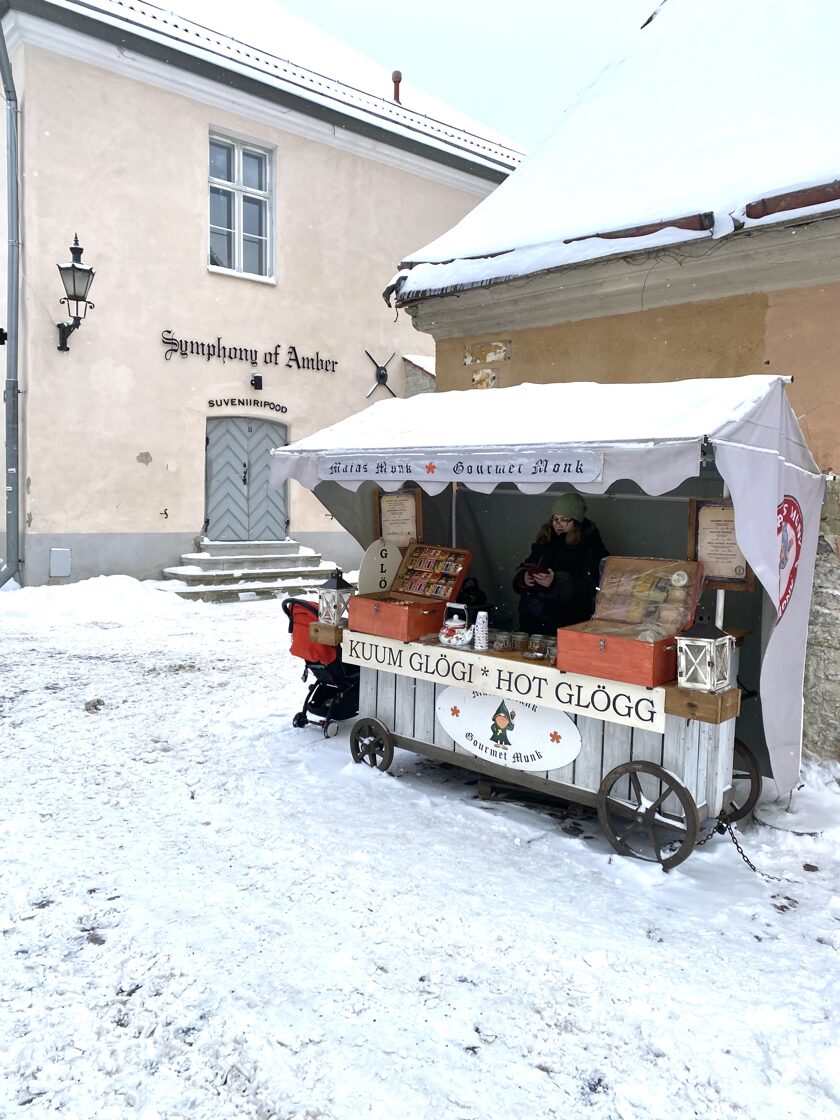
x: 656, y: 762
x: 663, y: 761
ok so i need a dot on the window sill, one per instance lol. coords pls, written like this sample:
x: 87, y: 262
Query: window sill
x: 214, y: 268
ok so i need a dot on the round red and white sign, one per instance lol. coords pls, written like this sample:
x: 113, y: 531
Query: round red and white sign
x: 789, y: 529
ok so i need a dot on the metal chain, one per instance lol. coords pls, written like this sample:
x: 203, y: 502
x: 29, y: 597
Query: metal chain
x: 712, y: 832
x: 725, y: 825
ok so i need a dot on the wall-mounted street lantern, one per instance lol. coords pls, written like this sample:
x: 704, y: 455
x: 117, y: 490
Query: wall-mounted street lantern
x: 77, y: 279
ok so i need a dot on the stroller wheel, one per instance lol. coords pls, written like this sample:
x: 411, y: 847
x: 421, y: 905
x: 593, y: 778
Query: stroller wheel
x: 299, y: 720
x: 370, y: 742
x: 330, y: 728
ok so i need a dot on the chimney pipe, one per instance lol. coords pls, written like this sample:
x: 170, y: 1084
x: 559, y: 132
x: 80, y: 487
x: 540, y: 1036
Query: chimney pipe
x: 396, y: 77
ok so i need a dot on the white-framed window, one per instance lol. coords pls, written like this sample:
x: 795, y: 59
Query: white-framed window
x: 240, y: 207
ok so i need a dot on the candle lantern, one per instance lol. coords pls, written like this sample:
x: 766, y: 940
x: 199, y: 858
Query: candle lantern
x: 704, y: 657
x: 333, y: 596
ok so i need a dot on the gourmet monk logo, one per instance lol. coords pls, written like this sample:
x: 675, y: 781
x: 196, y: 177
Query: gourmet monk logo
x: 789, y: 529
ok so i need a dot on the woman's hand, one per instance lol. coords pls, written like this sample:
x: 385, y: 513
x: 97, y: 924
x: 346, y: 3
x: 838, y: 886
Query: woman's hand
x: 527, y: 579
x: 542, y: 579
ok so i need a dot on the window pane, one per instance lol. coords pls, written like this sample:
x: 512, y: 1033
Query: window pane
x: 239, y: 215
x: 253, y: 216
x: 221, y: 249
x: 221, y: 208
x: 221, y: 161
x: 254, y: 253
x: 253, y: 170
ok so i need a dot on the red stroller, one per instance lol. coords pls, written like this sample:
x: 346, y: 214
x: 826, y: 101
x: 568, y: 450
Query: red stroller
x: 334, y: 693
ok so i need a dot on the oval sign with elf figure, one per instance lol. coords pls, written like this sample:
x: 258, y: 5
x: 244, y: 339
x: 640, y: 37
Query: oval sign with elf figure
x: 789, y: 529
x: 508, y: 732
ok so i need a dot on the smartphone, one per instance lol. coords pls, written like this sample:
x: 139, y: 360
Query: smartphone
x: 537, y: 569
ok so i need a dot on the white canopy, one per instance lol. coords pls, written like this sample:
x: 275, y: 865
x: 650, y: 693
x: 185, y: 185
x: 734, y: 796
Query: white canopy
x: 591, y: 435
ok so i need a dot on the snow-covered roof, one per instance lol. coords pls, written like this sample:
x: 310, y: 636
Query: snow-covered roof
x: 716, y: 107
x: 650, y: 432
x: 422, y: 361
x: 261, y: 41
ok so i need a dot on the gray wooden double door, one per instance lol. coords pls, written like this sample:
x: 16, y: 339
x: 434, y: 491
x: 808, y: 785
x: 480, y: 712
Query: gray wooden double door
x: 240, y: 504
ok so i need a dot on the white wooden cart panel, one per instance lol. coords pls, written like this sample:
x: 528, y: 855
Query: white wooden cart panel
x: 699, y: 754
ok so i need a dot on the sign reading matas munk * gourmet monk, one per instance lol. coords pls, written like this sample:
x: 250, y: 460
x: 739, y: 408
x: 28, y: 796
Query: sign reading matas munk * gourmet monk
x: 473, y: 469
x: 613, y: 701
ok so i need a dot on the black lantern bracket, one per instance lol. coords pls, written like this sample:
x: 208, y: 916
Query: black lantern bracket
x: 77, y: 279
x: 381, y: 375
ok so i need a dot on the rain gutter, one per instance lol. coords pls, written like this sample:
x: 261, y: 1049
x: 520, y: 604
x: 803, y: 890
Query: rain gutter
x: 11, y: 564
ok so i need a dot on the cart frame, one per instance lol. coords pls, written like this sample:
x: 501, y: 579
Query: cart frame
x: 652, y: 789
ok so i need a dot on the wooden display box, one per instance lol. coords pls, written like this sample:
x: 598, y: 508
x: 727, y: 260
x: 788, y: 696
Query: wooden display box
x: 638, y: 596
x: 429, y: 577
x: 325, y: 634
x: 707, y: 707
x: 616, y: 658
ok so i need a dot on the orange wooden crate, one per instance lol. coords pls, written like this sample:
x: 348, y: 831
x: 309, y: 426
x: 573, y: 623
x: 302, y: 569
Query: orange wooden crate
x: 429, y: 577
x: 616, y: 658
x: 395, y: 617
x: 635, y: 592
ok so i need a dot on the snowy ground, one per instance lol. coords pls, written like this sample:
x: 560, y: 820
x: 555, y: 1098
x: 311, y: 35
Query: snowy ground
x: 208, y: 914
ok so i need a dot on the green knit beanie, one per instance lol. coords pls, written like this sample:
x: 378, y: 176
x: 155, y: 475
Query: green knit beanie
x: 570, y: 505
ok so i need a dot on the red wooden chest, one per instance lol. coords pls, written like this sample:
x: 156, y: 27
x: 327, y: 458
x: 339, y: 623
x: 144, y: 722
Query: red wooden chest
x: 641, y: 605
x: 615, y: 657
x: 429, y: 577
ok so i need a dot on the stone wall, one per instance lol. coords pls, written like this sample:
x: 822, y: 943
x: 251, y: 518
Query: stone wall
x: 417, y: 380
x: 821, y: 737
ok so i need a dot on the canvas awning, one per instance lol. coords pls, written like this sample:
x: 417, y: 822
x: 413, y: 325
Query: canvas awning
x: 591, y: 435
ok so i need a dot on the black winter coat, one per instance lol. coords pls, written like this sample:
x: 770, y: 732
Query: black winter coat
x: 571, y: 597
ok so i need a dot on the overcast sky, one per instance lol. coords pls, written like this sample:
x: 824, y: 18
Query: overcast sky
x: 510, y: 64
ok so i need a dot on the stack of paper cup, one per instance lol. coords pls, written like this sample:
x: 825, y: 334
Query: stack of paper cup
x: 480, y: 632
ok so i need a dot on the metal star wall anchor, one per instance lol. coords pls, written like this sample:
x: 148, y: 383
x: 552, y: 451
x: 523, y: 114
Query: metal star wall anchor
x: 381, y: 375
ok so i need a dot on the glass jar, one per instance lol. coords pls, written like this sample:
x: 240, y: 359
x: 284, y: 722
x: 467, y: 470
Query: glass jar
x: 501, y: 641
x: 518, y: 640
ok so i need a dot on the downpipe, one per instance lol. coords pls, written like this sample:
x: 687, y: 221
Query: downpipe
x: 11, y: 563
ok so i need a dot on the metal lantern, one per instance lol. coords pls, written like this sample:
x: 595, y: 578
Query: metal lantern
x: 704, y: 655
x: 333, y: 596
x: 77, y: 279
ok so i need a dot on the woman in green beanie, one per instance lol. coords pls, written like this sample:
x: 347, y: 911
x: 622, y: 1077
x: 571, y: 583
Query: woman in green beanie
x: 557, y: 582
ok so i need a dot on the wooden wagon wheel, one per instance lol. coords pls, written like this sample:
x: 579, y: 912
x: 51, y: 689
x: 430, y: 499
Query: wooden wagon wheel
x: 637, y: 826
x: 370, y: 742
x: 746, y: 783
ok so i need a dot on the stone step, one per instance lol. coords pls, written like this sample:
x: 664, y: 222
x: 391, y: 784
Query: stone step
x: 301, y: 557
x: 249, y: 548
x: 228, y: 571
x: 236, y: 592
x: 193, y: 574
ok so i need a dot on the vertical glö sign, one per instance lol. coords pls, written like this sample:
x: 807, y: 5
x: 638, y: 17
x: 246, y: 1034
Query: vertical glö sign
x: 379, y: 567
x: 384, y: 582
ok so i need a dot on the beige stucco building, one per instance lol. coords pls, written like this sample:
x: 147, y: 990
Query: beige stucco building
x: 239, y: 212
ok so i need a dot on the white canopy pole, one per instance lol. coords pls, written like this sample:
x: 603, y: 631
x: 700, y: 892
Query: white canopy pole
x: 720, y: 595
